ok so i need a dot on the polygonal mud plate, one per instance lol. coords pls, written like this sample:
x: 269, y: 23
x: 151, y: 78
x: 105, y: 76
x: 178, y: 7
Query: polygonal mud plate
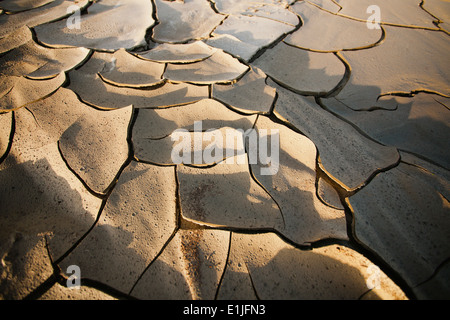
x: 277, y: 270
x: 309, y: 73
x: 408, y: 60
x: 255, y: 31
x: 190, y: 267
x: 53, y: 11
x: 179, y: 53
x: 226, y: 195
x: 397, y: 12
x: 404, y: 219
x: 37, y: 62
x: 25, y: 91
x: 41, y: 198
x: 138, y: 219
x: 195, y: 20
x: 22, y: 5
x: 336, y: 34
x: 219, y: 68
x: 108, y: 25
x: 93, y: 90
x: 250, y: 94
x: 419, y: 124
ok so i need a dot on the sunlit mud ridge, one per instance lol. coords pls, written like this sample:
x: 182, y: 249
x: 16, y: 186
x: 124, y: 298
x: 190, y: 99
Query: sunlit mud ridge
x: 224, y: 149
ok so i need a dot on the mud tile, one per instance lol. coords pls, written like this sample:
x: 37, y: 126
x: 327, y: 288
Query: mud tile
x: 426, y: 53
x: 51, y: 12
x: 95, y: 146
x: 281, y: 271
x: 419, y: 125
x: 155, y: 132
x: 109, y: 25
x: 307, y: 72
x: 25, y: 91
x: 179, y: 53
x: 345, y: 155
x: 249, y: 30
x: 219, y: 68
x: 402, y: 207
x: 22, y: 5
x: 126, y: 70
x: 336, y: 34
x: 293, y: 186
x: 195, y: 21
x: 40, y: 195
x: 205, y: 197
x: 94, y: 91
x: 190, y: 267
x: 37, y: 62
x: 93, y: 143
x: 159, y: 123
x: 15, y: 39
x: 138, y: 219
x: 250, y: 94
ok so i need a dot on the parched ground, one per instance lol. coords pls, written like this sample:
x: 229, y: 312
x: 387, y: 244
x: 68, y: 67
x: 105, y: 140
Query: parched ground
x: 99, y: 100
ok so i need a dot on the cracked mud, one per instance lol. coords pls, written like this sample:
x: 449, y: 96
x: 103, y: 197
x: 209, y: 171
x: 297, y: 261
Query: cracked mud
x: 91, y: 92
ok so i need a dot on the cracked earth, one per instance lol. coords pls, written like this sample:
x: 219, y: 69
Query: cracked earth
x: 358, y: 208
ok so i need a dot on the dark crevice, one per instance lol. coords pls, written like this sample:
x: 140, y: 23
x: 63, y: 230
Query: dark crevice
x: 251, y: 282
x: 11, y: 137
x: 225, y: 267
